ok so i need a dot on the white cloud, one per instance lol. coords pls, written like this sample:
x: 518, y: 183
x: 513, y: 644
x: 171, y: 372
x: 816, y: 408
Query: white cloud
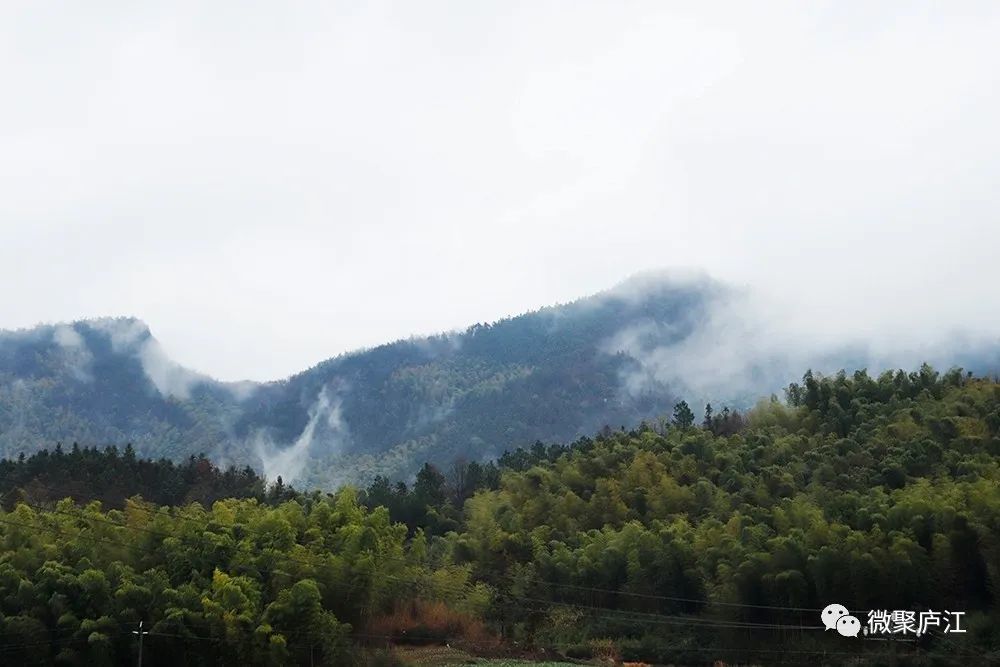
x: 76, y: 354
x: 325, y: 427
x: 269, y: 186
x: 132, y: 337
x: 745, y: 345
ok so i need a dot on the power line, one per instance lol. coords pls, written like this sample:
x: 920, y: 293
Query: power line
x: 672, y: 598
x: 177, y: 516
x: 607, y: 613
x: 141, y: 634
x: 635, y: 616
x: 506, y: 575
x: 618, y: 614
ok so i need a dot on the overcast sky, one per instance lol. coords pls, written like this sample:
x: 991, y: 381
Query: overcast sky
x: 269, y: 184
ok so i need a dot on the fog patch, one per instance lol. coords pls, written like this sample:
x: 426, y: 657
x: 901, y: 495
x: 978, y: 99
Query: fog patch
x: 241, y: 390
x: 637, y: 288
x: 743, y: 346
x: 428, y: 414
x: 132, y: 337
x: 326, y: 426
x: 169, y: 377
x: 438, y: 345
x: 125, y: 333
x: 75, y: 353
x: 725, y: 352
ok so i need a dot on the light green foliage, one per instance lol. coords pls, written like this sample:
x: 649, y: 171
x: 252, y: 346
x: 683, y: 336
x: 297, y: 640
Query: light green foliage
x: 243, y: 583
x: 880, y: 493
x: 652, y: 544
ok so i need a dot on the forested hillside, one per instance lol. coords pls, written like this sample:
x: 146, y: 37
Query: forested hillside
x: 111, y: 477
x: 613, y: 359
x: 554, y: 374
x: 689, y: 541
x: 103, y: 382
x: 549, y: 375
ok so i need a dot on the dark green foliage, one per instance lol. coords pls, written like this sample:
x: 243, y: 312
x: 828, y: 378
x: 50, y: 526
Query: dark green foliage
x: 545, y: 375
x: 239, y: 584
x: 110, y: 477
x: 877, y: 493
x: 87, y: 383
x: 683, y: 417
x: 554, y: 375
x: 677, y: 545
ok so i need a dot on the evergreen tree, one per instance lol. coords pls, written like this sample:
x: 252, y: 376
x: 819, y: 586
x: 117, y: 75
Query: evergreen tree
x: 683, y: 417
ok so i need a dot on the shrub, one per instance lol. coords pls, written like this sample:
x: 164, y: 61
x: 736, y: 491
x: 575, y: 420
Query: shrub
x: 428, y: 622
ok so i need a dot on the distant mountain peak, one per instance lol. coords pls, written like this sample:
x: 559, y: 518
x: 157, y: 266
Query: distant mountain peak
x: 124, y: 333
x: 657, y: 279
x: 78, y: 348
x: 613, y: 358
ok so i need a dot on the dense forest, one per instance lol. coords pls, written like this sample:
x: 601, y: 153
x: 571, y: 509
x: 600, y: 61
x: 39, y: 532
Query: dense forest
x: 554, y: 375
x: 546, y: 375
x: 107, y: 381
x: 112, y: 477
x: 716, y: 536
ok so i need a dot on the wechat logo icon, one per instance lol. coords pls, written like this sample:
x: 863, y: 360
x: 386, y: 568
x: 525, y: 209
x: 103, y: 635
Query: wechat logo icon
x: 836, y: 617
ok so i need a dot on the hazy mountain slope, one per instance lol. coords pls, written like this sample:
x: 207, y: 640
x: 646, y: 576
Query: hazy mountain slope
x: 614, y: 359
x: 544, y: 375
x: 101, y: 382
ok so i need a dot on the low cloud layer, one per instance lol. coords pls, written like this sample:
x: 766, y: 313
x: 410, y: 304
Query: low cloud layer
x: 217, y: 182
x: 76, y: 354
x: 132, y: 337
x: 325, y: 427
x: 745, y: 345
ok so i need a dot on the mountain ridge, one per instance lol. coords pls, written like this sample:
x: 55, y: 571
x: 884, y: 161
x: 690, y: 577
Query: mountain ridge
x: 616, y: 358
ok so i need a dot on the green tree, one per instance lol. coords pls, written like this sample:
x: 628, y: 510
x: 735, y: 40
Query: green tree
x: 683, y: 417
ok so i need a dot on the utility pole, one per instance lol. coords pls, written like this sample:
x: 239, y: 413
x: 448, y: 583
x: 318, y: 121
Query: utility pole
x: 141, y: 635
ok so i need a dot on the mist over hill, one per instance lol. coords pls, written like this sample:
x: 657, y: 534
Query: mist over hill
x: 615, y: 358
